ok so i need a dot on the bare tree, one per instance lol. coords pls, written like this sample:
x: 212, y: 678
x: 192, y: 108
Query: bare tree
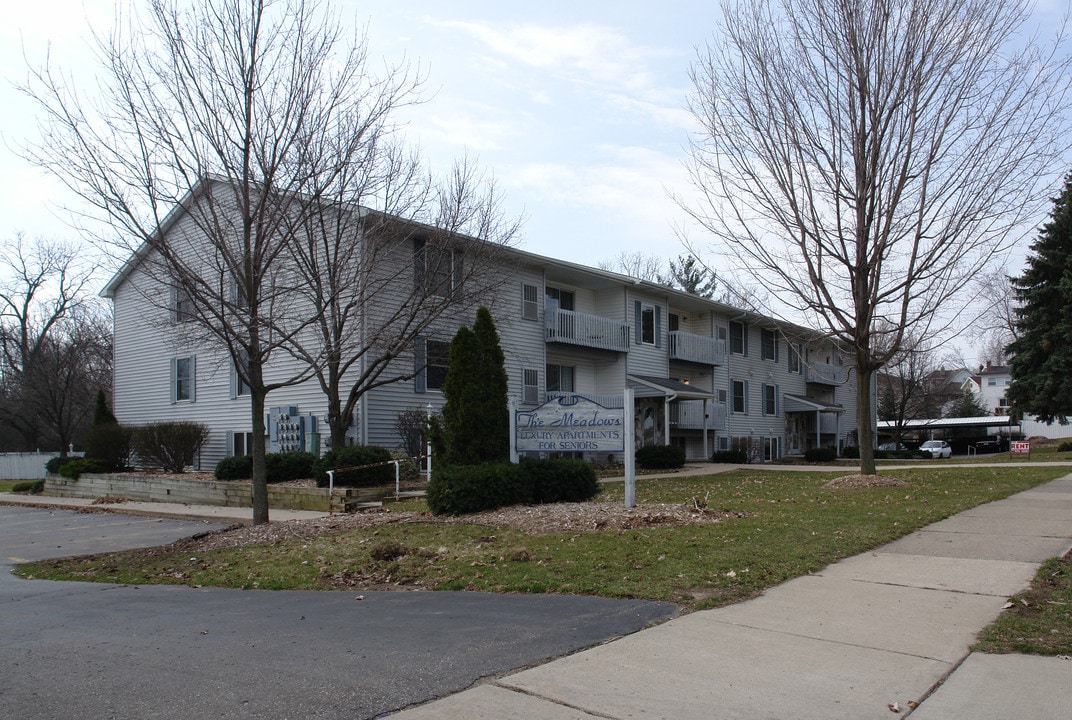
x: 864, y: 158
x: 635, y: 265
x: 241, y: 116
x: 357, y: 267
x: 46, y: 324
x: 995, y: 326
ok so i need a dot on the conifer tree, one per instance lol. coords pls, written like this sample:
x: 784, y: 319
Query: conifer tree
x: 1041, y: 355
x: 476, y: 420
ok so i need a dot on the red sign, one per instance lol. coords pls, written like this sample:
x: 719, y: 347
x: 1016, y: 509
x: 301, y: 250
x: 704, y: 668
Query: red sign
x: 1020, y: 447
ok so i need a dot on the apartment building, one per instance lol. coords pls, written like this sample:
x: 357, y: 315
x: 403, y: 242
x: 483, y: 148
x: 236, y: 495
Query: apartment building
x: 706, y: 376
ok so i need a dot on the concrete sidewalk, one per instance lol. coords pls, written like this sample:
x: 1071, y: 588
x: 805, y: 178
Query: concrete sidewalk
x: 889, y: 626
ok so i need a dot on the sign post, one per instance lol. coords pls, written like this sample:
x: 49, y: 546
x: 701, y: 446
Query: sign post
x: 630, y: 450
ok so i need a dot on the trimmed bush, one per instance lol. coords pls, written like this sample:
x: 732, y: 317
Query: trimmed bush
x: 170, y: 446
x: 355, y: 456
x: 660, y: 457
x: 75, y: 468
x: 33, y: 487
x: 281, y: 467
x: 736, y: 457
x: 560, y: 480
x: 236, y: 467
x: 1065, y: 446
x: 459, y: 489
x: 851, y: 451
x: 820, y: 455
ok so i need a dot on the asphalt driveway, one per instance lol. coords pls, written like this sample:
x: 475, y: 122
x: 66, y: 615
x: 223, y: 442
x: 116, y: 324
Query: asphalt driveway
x: 111, y: 651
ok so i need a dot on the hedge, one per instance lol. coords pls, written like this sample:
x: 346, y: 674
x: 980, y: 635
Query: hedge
x: 355, y: 456
x: 820, y: 454
x: 736, y: 457
x: 660, y: 457
x: 455, y: 490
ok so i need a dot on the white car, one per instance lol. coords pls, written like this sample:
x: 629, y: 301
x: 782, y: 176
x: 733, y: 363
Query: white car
x: 937, y: 448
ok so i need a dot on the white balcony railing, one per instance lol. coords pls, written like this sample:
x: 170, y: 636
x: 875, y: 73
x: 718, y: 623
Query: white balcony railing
x: 574, y: 328
x: 697, y: 348
x: 825, y: 373
x: 689, y: 415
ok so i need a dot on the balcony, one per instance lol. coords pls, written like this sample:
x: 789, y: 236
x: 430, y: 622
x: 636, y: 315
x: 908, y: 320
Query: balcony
x: 825, y: 374
x: 689, y: 415
x: 592, y: 331
x: 697, y: 348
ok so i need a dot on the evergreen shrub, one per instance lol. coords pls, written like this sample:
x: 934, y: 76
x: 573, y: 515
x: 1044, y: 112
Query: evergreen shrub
x: 170, y: 446
x: 459, y: 489
x: 33, y: 487
x: 1065, y: 446
x: 236, y: 467
x: 76, y: 467
x: 851, y: 452
x: 560, y: 480
x: 110, y: 443
x: 660, y: 457
x: 52, y: 467
x: 355, y: 456
x: 820, y: 454
x: 736, y: 457
x: 285, y: 466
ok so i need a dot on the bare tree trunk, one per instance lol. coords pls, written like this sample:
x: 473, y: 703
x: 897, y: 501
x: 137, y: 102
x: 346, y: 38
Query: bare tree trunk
x: 865, y: 437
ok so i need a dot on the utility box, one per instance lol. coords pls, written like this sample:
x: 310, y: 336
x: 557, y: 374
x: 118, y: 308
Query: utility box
x: 289, y: 430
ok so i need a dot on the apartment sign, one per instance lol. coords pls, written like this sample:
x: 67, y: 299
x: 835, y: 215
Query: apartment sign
x: 572, y: 423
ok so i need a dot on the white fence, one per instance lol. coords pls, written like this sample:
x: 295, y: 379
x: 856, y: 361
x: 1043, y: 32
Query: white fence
x: 25, y: 466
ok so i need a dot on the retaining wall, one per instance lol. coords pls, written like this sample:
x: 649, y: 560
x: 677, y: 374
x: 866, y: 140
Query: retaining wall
x: 164, y: 488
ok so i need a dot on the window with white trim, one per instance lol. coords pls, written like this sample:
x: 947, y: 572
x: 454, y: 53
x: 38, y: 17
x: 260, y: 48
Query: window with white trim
x: 559, y: 378
x: 740, y: 396
x: 530, y: 302
x: 647, y: 324
x: 182, y: 305
x: 768, y: 345
x: 738, y: 338
x: 531, y: 385
x: 183, y: 379
x: 563, y: 299
x: 770, y: 399
x: 438, y: 358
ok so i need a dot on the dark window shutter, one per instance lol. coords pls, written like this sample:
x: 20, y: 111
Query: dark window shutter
x: 420, y: 361
x: 638, y: 323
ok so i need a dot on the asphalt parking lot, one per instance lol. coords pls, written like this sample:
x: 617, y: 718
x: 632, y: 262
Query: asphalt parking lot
x: 111, y: 651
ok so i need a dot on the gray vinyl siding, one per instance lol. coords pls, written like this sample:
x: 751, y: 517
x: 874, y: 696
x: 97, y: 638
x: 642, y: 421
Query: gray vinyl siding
x: 645, y: 359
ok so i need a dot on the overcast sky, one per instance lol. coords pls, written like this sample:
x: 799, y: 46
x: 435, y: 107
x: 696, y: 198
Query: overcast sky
x: 578, y: 107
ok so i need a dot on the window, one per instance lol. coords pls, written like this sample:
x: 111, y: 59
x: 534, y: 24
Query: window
x: 430, y: 358
x: 647, y: 324
x: 648, y: 321
x: 722, y: 333
x: 722, y: 395
x: 770, y: 399
x: 530, y: 302
x: 563, y: 299
x: 437, y: 270
x: 738, y: 338
x: 559, y: 378
x: 182, y: 305
x: 239, y: 387
x: 183, y: 386
x: 723, y: 443
x: 436, y: 370
x: 794, y: 358
x: 768, y: 347
x: 673, y: 322
x: 740, y: 396
x: 241, y: 443
x: 531, y: 391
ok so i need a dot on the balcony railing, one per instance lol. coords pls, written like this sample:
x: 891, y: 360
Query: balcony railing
x: 689, y: 415
x: 697, y: 348
x: 574, y: 328
x: 825, y: 373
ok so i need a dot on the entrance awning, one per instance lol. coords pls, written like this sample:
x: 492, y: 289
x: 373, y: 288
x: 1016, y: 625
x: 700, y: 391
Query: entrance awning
x: 798, y: 403
x: 649, y: 386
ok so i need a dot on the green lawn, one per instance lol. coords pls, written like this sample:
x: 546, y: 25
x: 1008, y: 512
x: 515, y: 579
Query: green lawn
x: 791, y: 525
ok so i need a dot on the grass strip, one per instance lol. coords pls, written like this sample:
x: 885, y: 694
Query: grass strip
x: 793, y: 526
